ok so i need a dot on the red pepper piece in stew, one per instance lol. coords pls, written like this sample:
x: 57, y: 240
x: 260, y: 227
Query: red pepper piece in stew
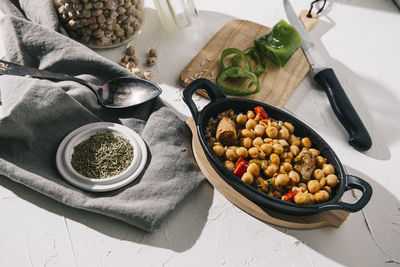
x: 240, y: 167
x: 261, y: 113
x: 289, y: 196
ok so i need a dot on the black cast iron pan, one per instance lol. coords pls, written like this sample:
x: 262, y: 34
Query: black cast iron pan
x: 219, y: 103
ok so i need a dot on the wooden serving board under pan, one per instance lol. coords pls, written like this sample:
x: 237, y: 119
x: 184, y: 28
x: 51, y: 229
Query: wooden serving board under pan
x: 332, y: 218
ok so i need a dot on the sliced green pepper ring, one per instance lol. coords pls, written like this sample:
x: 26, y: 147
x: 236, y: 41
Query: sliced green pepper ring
x: 236, y: 73
x: 229, y: 51
x: 260, y: 68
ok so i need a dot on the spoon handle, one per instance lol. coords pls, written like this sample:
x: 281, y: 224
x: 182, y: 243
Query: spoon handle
x: 19, y: 70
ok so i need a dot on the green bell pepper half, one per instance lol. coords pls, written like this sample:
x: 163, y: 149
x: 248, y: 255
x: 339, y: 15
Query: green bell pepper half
x: 280, y: 43
x: 236, y: 73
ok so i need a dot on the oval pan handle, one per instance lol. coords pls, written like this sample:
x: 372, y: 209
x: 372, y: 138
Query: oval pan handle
x: 353, y: 182
x: 213, y: 91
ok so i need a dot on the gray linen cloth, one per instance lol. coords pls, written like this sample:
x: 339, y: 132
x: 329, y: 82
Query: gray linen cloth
x: 38, y: 114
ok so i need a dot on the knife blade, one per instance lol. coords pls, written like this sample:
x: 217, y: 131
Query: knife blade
x: 325, y: 77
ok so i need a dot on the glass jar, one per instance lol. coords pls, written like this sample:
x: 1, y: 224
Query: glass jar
x: 176, y: 14
x: 101, y: 23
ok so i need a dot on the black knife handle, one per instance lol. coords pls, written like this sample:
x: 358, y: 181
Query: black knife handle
x: 344, y: 110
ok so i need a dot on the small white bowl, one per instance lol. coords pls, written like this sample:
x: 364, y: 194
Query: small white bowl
x: 66, y: 148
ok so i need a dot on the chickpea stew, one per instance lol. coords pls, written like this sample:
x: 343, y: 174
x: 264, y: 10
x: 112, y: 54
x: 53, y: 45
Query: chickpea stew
x: 267, y: 155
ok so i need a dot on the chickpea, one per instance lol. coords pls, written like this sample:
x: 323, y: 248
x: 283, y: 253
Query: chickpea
x: 306, y: 142
x: 296, y: 189
x: 254, y: 169
x: 230, y: 154
x: 328, y: 169
x: 286, y: 167
x: 274, y: 159
x: 295, y: 150
x: 294, y: 140
x: 287, y: 156
x: 264, y: 164
x: 219, y: 150
x: 261, y: 155
x: 300, y: 198
x: 250, y: 124
x: 268, y: 140
x: 259, y: 130
x: 283, y: 133
x: 247, y: 178
x: 303, y: 186
x: 304, y: 198
x: 275, y: 125
x: 241, y: 152
x: 319, y: 161
x: 281, y: 180
x: 250, y: 114
x: 290, y: 127
x: 294, y: 177
x: 313, y: 186
x: 322, y: 182
x: 271, y: 132
x: 311, y: 198
x: 258, y: 141
x: 283, y: 143
x: 253, y: 152
x: 229, y: 165
x: 247, y: 133
x: 233, y: 148
x: 266, y: 148
x: 327, y: 189
x: 318, y: 174
x: 314, y: 151
x: 321, y: 196
x: 241, y: 119
x: 246, y: 142
x: 332, y: 180
x: 271, y: 170
x: 277, y: 148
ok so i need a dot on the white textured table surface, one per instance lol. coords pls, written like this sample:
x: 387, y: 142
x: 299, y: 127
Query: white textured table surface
x: 361, y: 40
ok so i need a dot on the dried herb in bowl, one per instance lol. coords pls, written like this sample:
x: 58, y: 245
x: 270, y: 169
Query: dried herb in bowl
x: 103, y: 155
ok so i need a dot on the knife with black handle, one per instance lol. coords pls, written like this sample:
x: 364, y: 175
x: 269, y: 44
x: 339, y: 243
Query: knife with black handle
x: 326, y: 79
x: 344, y: 110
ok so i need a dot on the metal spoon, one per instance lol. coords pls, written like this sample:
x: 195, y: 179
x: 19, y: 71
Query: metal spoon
x: 117, y: 93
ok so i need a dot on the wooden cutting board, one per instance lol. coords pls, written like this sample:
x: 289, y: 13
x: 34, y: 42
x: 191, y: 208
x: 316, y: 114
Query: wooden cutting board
x: 277, y: 84
x: 333, y: 218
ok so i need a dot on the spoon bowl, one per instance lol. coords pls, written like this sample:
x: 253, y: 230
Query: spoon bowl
x: 117, y: 93
x: 126, y: 92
